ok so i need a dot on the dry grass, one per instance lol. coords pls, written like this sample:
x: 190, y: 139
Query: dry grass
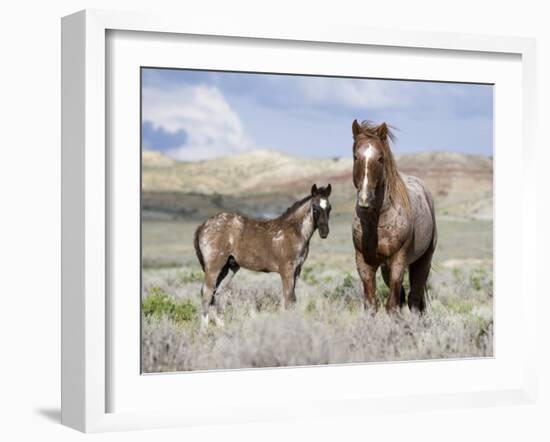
x: 327, y: 326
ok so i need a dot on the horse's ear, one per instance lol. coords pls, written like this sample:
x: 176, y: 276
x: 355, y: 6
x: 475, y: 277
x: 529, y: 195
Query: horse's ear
x: 382, y: 131
x: 329, y: 189
x: 355, y: 128
x: 314, y: 190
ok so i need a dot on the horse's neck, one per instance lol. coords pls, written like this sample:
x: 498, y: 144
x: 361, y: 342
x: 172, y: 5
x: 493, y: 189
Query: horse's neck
x: 382, y: 199
x: 304, y: 221
x: 369, y: 223
x: 369, y: 228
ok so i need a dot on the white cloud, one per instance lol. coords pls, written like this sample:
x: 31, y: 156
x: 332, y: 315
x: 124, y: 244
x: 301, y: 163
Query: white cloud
x: 366, y: 94
x: 213, y: 128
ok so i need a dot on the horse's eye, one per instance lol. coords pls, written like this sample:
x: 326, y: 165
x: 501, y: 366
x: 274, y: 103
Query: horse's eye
x: 354, y: 157
x: 381, y: 159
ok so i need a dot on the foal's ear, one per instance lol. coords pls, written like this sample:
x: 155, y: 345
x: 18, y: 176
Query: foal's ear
x: 355, y: 128
x: 328, y: 190
x: 382, y: 131
x: 314, y: 190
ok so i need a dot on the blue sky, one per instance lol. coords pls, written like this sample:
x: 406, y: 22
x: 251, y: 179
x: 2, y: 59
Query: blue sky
x: 194, y: 115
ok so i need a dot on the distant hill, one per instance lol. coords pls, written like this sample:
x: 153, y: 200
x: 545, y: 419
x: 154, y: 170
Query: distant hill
x: 462, y: 184
x: 154, y: 158
x: 257, y: 171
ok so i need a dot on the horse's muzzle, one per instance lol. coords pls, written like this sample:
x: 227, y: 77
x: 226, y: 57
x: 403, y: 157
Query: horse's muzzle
x: 367, y: 202
x: 323, y: 234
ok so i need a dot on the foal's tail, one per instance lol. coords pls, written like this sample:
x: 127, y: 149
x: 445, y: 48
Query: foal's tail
x: 197, y: 246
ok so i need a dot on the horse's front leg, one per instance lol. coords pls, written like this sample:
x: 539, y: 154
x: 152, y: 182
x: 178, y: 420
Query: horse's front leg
x: 367, y: 273
x: 288, y: 277
x: 397, y: 267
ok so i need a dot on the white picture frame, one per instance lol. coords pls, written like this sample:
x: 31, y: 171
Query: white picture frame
x: 86, y: 206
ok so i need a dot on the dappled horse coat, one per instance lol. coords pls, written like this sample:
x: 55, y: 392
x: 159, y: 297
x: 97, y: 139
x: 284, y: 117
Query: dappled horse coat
x: 394, y: 220
x: 228, y: 241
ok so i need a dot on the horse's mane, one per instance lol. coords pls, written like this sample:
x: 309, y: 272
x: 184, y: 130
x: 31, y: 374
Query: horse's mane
x: 295, y: 207
x: 396, y: 190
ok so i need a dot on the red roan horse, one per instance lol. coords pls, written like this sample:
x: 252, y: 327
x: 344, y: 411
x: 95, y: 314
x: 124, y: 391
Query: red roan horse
x: 394, y: 221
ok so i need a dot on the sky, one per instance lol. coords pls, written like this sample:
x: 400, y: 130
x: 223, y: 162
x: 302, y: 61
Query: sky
x: 196, y: 115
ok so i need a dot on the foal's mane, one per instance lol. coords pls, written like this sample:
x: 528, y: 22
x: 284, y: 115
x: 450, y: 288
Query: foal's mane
x: 395, y: 186
x: 288, y: 212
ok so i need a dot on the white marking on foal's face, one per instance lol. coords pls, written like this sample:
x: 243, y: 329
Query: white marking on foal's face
x: 323, y: 203
x: 368, y: 153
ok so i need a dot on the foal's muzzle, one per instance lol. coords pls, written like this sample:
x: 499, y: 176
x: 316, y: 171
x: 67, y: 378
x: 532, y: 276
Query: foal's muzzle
x: 323, y: 233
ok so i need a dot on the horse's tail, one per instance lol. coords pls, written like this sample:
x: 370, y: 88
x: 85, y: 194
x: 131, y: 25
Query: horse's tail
x: 198, y: 247
x: 433, y: 245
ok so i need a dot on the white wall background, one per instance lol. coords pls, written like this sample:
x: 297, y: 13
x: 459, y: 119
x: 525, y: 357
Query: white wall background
x: 30, y: 215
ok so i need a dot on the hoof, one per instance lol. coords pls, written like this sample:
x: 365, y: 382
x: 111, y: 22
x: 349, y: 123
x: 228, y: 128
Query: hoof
x: 216, y: 318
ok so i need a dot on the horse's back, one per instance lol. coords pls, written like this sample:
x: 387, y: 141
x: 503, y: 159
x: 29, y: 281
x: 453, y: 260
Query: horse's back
x: 227, y: 234
x: 223, y: 221
x: 423, y: 216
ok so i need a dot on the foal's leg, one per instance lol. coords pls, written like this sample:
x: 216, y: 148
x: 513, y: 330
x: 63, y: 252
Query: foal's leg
x: 207, y: 294
x: 214, y: 272
x: 367, y: 273
x: 397, y: 270
x: 224, y: 279
x: 289, y: 284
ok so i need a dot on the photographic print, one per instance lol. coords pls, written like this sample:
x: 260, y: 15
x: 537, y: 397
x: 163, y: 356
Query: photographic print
x: 302, y: 220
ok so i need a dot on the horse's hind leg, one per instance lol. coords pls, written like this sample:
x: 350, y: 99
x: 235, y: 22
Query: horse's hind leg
x: 418, y: 277
x: 386, y: 276
x: 222, y: 282
x: 226, y: 274
x: 216, y: 280
x: 207, y: 294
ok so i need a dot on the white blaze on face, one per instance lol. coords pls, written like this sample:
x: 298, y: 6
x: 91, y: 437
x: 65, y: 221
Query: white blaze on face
x: 368, y: 154
x: 323, y: 203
